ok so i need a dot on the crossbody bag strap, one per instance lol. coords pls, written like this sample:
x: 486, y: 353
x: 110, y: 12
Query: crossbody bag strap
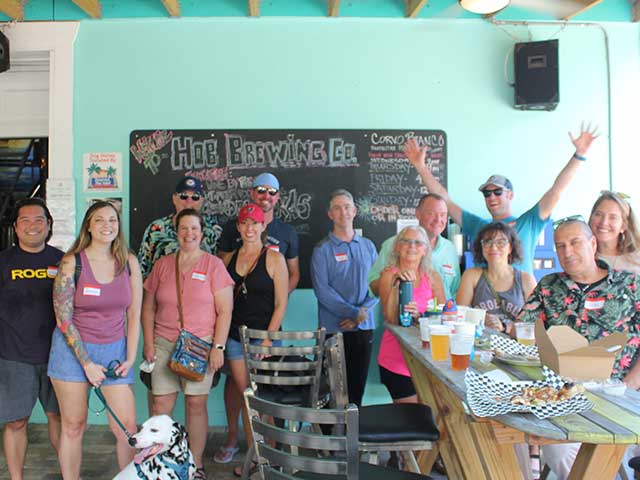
x: 495, y: 294
x: 179, y: 291
x: 251, y: 269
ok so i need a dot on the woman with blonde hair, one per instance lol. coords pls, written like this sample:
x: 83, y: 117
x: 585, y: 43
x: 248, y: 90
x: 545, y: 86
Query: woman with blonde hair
x: 96, y: 297
x: 410, y: 260
x: 616, y: 229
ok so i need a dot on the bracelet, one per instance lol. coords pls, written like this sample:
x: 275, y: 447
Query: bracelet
x: 579, y: 157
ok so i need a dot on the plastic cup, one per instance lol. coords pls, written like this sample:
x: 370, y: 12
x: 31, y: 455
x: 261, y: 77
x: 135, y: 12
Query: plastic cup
x: 464, y: 328
x: 425, y: 323
x: 475, y: 316
x: 461, y: 346
x: 525, y: 333
x: 439, y: 342
x: 462, y: 311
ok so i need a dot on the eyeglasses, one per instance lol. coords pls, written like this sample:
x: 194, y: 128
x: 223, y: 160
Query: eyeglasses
x: 262, y: 190
x: 497, y: 192
x: 415, y: 243
x: 572, y: 218
x: 493, y: 242
x: 185, y: 196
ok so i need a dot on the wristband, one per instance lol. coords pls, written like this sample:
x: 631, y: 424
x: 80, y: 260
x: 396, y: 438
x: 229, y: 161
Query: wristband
x: 579, y: 157
x: 219, y: 346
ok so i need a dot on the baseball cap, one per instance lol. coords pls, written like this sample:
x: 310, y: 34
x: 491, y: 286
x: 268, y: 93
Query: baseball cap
x: 252, y: 211
x: 190, y: 183
x: 266, y: 179
x: 498, y: 181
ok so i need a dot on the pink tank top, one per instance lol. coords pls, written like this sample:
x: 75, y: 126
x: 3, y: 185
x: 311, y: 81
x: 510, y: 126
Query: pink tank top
x: 100, y: 309
x: 390, y: 355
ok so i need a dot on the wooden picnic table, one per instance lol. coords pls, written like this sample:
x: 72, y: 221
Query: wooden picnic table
x: 482, y: 448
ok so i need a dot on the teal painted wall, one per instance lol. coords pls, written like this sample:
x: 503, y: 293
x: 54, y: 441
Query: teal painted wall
x: 360, y: 73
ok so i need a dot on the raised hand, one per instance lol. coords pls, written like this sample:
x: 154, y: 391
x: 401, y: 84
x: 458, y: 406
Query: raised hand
x: 584, y: 140
x: 417, y: 155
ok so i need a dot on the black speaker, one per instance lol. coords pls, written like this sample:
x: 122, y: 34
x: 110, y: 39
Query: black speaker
x: 4, y: 53
x: 536, y: 75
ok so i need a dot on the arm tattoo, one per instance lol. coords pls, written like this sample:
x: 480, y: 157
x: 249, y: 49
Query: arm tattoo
x: 63, y: 295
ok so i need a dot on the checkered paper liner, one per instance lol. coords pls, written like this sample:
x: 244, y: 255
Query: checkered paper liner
x: 511, y: 347
x: 483, y: 394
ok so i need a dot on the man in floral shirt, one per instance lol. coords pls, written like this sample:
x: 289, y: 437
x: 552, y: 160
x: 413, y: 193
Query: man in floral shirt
x: 160, y: 237
x: 593, y: 300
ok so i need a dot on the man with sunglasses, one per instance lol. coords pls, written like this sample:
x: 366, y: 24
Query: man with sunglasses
x: 592, y: 299
x: 498, y: 194
x: 281, y: 236
x: 160, y: 237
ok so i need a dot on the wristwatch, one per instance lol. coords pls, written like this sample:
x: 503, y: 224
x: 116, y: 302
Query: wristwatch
x: 219, y: 346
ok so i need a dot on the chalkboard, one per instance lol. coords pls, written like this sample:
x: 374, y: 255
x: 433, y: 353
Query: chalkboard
x: 310, y: 164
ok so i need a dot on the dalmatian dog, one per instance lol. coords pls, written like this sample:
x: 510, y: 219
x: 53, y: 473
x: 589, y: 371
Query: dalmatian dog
x: 163, y: 452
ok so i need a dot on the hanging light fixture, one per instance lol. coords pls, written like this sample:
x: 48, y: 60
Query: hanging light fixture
x: 483, y: 6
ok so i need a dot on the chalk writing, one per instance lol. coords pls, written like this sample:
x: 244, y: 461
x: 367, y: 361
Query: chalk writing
x: 145, y: 149
x: 187, y: 153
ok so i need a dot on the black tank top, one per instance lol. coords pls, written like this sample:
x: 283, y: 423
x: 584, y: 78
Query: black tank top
x: 253, y: 305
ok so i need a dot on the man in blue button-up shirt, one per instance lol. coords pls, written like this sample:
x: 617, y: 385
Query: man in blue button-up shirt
x: 339, y: 268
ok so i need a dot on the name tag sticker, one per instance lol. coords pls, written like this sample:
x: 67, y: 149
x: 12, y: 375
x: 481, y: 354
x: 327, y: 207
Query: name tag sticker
x: 447, y: 269
x: 341, y: 257
x: 52, y: 272
x: 273, y: 247
x: 594, y: 303
x: 199, y: 276
x: 91, y: 291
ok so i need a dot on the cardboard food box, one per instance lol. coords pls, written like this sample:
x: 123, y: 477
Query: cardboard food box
x: 571, y: 355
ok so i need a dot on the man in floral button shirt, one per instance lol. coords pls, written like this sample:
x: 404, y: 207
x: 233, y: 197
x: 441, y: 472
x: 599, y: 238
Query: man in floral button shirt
x: 593, y: 300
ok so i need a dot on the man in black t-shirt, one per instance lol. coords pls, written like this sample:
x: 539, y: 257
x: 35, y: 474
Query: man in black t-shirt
x: 27, y: 320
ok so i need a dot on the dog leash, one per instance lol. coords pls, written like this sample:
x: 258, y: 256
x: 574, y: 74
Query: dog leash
x: 110, y: 373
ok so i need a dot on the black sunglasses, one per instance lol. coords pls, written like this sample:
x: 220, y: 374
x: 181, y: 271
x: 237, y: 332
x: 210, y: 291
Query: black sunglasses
x: 262, y: 190
x: 572, y: 218
x: 487, y: 193
x: 185, y: 196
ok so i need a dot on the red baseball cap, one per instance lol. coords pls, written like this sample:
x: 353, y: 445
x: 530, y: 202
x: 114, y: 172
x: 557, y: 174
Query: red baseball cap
x: 252, y: 211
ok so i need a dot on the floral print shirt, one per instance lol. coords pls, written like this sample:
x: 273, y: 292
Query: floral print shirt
x: 611, y: 305
x: 160, y: 239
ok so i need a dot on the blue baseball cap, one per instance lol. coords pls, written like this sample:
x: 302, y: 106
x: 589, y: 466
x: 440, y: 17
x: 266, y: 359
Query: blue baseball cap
x: 190, y: 183
x: 266, y: 179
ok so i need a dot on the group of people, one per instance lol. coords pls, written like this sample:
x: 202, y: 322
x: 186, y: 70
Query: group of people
x: 211, y: 280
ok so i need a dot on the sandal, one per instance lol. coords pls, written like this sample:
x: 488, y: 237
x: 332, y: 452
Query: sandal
x: 225, y: 454
x: 253, y: 468
x: 200, y: 474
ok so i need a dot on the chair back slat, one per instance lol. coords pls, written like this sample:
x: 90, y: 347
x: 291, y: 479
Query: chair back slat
x: 336, y: 369
x: 281, y: 366
x: 292, y: 381
x: 294, y: 350
x: 273, y: 444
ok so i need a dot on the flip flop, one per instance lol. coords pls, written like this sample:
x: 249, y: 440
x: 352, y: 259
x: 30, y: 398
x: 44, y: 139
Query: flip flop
x: 253, y: 468
x: 225, y: 454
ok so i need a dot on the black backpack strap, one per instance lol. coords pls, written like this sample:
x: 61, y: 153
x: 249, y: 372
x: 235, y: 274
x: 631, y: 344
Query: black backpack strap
x: 78, y: 271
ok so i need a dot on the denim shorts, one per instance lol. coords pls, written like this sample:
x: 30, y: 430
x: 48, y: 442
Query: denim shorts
x: 235, y: 351
x: 63, y: 364
x: 21, y: 385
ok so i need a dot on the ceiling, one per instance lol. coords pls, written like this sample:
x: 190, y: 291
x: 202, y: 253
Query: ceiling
x: 573, y: 10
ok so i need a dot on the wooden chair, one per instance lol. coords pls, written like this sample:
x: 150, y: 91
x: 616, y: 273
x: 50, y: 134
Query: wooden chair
x: 389, y: 427
x: 274, y: 444
x: 285, y: 374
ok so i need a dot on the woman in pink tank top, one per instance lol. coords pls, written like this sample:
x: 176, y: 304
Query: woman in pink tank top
x: 409, y: 261
x: 97, y: 306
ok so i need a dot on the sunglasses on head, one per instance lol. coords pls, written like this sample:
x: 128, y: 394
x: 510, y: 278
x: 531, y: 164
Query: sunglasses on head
x: 571, y: 218
x: 262, y: 190
x: 496, y: 191
x: 620, y: 195
x: 185, y: 196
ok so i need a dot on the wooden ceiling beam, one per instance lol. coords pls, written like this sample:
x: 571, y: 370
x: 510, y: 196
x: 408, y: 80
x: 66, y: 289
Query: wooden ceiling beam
x: 333, y: 8
x: 254, y: 8
x: 413, y: 7
x: 93, y: 8
x: 13, y: 9
x: 582, y: 6
x: 172, y: 6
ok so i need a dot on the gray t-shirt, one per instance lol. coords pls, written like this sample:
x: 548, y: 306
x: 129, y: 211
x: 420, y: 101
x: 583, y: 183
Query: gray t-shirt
x: 511, y: 301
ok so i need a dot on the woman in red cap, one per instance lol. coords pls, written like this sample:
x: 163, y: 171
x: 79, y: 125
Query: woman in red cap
x: 260, y: 300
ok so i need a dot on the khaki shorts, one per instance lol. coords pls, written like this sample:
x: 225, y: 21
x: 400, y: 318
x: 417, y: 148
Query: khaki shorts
x: 164, y: 381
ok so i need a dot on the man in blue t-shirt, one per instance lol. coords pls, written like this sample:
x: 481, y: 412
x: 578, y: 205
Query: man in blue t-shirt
x: 498, y: 194
x: 27, y: 321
